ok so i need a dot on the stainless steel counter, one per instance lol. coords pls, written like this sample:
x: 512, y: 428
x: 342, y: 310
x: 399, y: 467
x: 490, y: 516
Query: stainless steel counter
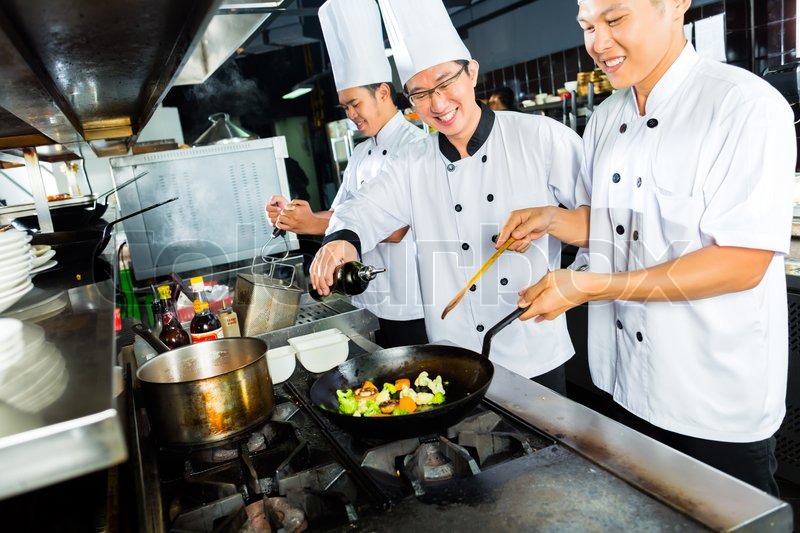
x: 81, y: 432
x: 711, y: 497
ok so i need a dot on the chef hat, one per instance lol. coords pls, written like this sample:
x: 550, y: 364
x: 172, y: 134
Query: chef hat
x: 353, y: 35
x: 422, y: 35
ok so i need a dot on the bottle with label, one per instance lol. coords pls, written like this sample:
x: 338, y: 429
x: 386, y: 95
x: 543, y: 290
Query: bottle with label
x: 205, y: 326
x: 230, y: 322
x: 172, y: 333
x: 350, y: 279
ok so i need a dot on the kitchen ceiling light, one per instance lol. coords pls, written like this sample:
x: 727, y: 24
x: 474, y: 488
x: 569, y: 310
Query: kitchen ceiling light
x: 296, y: 92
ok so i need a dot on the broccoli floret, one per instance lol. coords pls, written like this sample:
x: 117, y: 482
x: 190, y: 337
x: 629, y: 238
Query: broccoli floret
x: 389, y: 387
x: 347, y: 402
x: 437, y: 398
x: 371, y: 407
x: 399, y: 412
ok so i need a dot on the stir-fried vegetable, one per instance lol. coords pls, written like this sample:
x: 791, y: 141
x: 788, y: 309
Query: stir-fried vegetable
x: 398, y: 398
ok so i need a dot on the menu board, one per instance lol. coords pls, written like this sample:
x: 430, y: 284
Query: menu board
x: 219, y: 216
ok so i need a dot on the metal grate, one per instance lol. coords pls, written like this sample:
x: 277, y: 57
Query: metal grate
x: 314, y: 311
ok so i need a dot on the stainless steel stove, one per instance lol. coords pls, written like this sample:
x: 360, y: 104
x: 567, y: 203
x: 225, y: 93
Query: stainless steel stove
x: 525, y: 458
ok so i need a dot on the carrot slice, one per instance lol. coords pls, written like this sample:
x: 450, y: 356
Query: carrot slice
x: 402, y: 383
x: 407, y: 404
x: 368, y: 385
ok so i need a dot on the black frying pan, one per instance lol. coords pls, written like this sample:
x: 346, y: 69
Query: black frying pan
x: 73, y: 217
x: 83, y: 245
x: 468, y: 375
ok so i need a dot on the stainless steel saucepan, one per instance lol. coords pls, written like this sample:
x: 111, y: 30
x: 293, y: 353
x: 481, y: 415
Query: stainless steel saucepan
x: 205, y: 392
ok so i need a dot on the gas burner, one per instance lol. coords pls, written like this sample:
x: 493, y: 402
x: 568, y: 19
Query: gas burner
x: 438, y: 461
x: 259, y: 439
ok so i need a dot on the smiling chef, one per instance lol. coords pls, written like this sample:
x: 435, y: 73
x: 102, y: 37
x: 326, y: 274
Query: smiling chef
x: 455, y: 189
x: 690, y: 174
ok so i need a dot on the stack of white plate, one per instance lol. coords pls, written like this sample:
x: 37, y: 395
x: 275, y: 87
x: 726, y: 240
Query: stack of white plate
x: 12, y: 344
x: 16, y: 262
x: 38, y: 378
x: 42, y: 258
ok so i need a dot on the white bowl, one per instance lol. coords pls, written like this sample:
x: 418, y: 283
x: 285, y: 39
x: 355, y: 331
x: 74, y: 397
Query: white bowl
x: 281, y: 362
x: 322, y: 353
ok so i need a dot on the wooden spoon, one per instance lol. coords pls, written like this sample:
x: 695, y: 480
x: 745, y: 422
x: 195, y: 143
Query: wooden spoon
x: 478, y: 274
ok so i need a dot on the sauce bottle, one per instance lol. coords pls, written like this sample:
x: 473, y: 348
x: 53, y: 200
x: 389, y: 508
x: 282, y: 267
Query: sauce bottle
x: 230, y: 322
x: 205, y: 326
x: 172, y: 333
x: 350, y: 279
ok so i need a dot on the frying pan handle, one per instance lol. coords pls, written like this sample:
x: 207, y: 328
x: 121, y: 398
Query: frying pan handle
x: 487, y: 339
x: 145, y: 333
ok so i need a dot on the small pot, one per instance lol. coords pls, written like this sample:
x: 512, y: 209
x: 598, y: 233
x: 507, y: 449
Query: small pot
x: 205, y: 392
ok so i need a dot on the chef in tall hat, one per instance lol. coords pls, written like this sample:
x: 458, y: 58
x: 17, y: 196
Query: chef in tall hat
x: 455, y: 189
x: 354, y: 38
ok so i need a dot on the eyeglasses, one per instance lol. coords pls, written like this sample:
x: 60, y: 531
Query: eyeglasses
x: 424, y: 97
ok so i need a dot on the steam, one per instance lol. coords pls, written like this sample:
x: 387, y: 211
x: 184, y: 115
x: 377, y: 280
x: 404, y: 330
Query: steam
x: 225, y: 91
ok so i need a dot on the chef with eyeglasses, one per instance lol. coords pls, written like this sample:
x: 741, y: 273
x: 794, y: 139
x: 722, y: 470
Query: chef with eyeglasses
x: 455, y: 189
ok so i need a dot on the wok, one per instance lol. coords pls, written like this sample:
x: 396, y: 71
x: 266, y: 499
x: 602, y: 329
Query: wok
x: 81, y: 245
x: 206, y: 392
x: 467, y: 373
x: 75, y: 216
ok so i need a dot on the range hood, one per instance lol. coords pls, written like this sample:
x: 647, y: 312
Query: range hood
x: 85, y: 75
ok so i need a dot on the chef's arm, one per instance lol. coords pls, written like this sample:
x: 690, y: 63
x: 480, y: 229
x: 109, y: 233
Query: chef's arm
x: 570, y: 226
x: 710, y: 271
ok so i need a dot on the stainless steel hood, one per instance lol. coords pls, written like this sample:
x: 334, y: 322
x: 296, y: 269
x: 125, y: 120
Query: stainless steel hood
x: 88, y: 73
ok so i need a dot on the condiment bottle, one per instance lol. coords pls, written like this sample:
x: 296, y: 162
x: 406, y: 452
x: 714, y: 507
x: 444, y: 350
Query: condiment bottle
x: 205, y: 326
x: 350, y: 279
x: 230, y: 322
x: 172, y: 333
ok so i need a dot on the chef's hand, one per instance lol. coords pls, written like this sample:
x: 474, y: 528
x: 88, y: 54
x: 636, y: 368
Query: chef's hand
x: 298, y: 217
x: 328, y: 257
x: 557, y: 292
x: 274, y: 207
x: 525, y: 225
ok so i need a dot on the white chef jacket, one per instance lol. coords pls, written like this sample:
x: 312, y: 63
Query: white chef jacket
x: 456, y: 207
x: 711, y: 162
x: 393, y: 295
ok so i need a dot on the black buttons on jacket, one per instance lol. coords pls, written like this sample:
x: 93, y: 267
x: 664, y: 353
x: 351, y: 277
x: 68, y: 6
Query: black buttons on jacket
x: 504, y: 282
x: 369, y: 152
x: 465, y: 247
x: 479, y: 328
x: 483, y: 159
x: 652, y: 123
x: 620, y: 230
x: 473, y: 288
x: 619, y: 324
x: 623, y: 128
x: 384, y: 152
x: 616, y: 177
x: 638, y: 182
x: 451, y: 167
x: 635, y: 235
x: 494, y: 238
x: 639, y: 336
x: 458, y: 208
x: 490, y: 197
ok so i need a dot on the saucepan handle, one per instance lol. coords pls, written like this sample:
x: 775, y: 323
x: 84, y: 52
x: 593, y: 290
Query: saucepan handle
x: 487, y: 339
x: 145, y: 333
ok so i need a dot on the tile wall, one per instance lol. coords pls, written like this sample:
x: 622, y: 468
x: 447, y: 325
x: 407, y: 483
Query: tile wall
x: 758, y: 34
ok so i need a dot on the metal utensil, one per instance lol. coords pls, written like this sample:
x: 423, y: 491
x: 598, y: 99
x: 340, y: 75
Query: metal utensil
x: 478, y: 274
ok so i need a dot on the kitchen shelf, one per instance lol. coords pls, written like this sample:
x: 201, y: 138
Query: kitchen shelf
x: 81, y: 432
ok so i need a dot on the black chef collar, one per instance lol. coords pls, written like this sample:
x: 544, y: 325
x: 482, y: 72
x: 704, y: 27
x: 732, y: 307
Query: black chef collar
x: 475, y: 142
